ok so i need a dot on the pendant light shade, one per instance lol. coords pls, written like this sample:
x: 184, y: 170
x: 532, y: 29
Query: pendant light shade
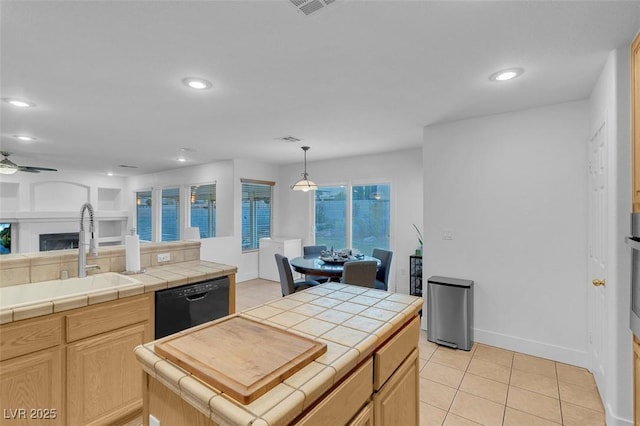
x: 304, y: 184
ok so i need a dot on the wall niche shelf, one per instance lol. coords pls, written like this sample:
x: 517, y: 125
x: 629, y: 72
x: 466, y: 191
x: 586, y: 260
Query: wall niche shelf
x: 109, y: 199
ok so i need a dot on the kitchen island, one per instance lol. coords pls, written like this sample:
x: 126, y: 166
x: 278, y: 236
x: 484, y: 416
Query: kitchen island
x: 368, y: 375
x: 66, y: 345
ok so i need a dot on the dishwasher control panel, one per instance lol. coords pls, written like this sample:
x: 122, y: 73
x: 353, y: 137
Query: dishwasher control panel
x: 195, y: 289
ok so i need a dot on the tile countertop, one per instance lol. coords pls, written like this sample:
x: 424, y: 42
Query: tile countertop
x: 155, y: 278
x: 353, y: 321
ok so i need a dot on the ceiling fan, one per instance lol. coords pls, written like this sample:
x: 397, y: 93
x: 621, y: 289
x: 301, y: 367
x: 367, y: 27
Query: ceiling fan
x: 8, y: 167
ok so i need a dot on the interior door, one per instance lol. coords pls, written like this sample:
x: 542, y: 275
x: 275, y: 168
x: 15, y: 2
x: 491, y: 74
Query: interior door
x: 598, y: 233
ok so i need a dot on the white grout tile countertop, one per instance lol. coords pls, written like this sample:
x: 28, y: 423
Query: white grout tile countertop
x: 30, y: 300
x: 353, y: 321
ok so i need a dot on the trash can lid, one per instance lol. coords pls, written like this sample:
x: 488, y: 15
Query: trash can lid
x: 450, y: 281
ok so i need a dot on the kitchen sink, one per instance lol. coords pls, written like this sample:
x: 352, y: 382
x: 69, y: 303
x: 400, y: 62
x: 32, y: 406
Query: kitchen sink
x: 45, y: 291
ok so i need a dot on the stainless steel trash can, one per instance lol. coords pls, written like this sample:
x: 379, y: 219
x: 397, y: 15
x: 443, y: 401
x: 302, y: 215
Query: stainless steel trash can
x: 450, y: 312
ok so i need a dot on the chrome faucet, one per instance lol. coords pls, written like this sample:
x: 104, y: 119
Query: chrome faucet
x: 93, y: 246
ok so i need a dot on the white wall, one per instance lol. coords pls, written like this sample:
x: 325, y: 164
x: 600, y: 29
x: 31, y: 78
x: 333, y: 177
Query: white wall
x: 610, y: 101
x: 49, y: 202
x: 227, y: 246
x: 248, y: 262
x: 29, y: 182
x: 402, y: 169
x: 512, y: 190
x: 220, y: 172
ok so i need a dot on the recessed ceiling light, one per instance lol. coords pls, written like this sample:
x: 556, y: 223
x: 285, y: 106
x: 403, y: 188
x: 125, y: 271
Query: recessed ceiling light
x: 20, y: 103
x: 24, y: 138
x: 109, y: 173
x: 196, y: 83
x: 507, y: 74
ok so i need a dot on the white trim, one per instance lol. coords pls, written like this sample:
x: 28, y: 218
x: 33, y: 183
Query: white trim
x: 612, y: 420
x: 532, y: 347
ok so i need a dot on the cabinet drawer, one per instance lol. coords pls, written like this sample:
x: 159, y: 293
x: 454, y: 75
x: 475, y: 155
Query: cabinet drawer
x: 390, y: 356
x: 364, y: 417
x: 28, y: 336
x: 341, y: 404
x: 108, y: 316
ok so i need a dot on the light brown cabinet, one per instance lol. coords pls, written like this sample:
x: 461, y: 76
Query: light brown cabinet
x: 31, y: 372
x: 78, y: 364
x: 104, y: 379
x: 381, y: 391
x: 31, y: 389
x: 397, y: 401
x: 344, y: 401
x: 364, y: 417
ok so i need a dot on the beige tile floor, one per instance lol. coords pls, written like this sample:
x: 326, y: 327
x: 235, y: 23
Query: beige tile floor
x: 492, y: 386
x: 485, y: 386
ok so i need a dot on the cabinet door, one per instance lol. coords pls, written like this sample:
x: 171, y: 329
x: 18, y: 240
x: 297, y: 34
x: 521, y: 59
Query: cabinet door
x: 364, y: 417
x: 397, y: 402
x: 104, y: 377
x: 31, y: 389
x: 344, y: 402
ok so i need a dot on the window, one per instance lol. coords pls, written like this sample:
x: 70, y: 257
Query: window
x: 5, y: 238
x: 331, y: 216
x: 143, y: 215
x: 170, y: 214
x: 370, y: 217
x: 203, y: 209
x: 256, y: 212
x: 363, y: 226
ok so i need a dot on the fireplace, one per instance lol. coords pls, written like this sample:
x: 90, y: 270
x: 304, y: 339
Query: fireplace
x: 59, y: 241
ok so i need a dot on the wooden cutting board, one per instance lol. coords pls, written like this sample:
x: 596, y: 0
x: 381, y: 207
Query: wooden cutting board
x: 240, y: 357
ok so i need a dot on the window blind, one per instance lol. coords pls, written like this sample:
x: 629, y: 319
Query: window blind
x: 256, y: 212
x: 143, y: 215
x: 203, y: 209
x: 170, y: 214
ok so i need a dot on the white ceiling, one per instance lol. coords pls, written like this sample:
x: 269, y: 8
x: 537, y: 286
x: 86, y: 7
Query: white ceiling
x: 355, y: 77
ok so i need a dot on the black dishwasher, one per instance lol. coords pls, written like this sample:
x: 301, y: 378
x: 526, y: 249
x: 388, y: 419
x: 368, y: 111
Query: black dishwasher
x: 182, y: 307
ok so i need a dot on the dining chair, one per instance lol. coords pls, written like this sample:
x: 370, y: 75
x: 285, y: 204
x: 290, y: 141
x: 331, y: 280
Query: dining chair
x: 360, y: 272
x: 382, y: 276
x: 287, y: 283
x: 311, y: 250
x: 315, y: 251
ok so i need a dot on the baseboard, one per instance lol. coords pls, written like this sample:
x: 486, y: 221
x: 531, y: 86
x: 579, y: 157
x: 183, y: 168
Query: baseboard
x: 532, y: 347
x: 240, y: 277
x: 612, y: 420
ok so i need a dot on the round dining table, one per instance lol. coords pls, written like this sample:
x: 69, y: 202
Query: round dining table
x: 313, y: 265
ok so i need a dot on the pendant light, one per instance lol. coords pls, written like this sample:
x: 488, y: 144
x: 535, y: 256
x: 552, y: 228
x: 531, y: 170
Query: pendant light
x: 304, y: 184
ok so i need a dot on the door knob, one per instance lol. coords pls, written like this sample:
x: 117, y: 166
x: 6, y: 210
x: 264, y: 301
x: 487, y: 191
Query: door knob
x: 598, y: 283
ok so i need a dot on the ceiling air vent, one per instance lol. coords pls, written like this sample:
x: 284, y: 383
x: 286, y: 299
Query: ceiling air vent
x: 289, y: 139
x: 126, y: 166
x: 309, y: 6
